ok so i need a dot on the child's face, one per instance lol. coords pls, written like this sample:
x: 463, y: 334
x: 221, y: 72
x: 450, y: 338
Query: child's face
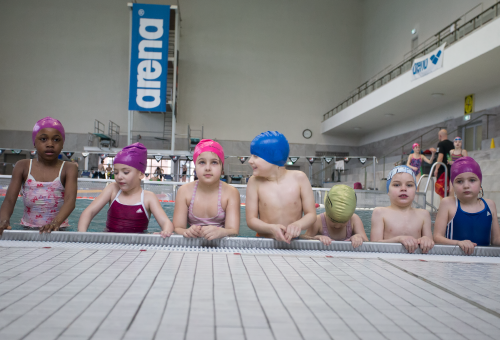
x: 457, y: 143
x: 402, y: 189
x: 208, y: 167
x: 260, y: 167
x: 337, y: 225
x: 127, y: 177
x: 467, y: 185
x: 416, y: 150
x: 49, y: 143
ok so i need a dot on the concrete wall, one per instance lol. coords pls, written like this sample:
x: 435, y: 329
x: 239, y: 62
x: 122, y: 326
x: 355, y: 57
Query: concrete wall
x: 387, y: 26
x: 245, y: 66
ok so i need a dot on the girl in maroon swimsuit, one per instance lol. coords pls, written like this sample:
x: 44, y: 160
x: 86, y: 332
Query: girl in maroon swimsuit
x: 130, y: 206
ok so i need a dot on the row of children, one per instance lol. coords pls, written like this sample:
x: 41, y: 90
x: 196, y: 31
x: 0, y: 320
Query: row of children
x: 279, y: 202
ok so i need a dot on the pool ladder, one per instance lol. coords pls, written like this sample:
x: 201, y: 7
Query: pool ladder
x: 431, y: 204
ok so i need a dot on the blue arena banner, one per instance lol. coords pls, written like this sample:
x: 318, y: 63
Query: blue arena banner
x: 149, y: 58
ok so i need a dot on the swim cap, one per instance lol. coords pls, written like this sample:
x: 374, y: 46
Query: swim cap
x: 458, y: 138
x: 415, y: 145
x: 272, y: 147
x: 135, y: 155
x: 211, y: 146
x: 397, y: 170
x: 46, y: 123
x: 340, y: 203
x: 465, y: 164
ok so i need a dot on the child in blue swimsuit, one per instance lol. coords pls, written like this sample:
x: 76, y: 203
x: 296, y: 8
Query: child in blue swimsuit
x: 466, y: 220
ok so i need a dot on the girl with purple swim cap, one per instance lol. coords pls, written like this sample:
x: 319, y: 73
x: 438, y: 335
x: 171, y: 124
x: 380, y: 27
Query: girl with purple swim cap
x: 130, y: 206
x: 48, y: 187
x: 467, y: 220
x: 210, y: 206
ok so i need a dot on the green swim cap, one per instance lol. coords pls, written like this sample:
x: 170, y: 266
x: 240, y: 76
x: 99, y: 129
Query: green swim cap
x: 340, y: 203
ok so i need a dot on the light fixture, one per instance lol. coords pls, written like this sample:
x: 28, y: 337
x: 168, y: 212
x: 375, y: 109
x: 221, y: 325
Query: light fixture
x: 357, y: 128
x: 437, y: 95
x: 389, y: 114
x: 414, y: 31
x: 467, y: 117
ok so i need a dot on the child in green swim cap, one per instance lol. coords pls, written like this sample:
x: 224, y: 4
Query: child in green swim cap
x: 338, y: 222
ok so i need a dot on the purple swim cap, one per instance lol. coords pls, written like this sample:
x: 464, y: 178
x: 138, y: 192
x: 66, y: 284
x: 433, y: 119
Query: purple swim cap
x: 465, y: 164
x: 135, y: 155
x: 45, y: 123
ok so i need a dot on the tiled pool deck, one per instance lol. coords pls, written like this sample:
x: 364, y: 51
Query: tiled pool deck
x: 84, y: 293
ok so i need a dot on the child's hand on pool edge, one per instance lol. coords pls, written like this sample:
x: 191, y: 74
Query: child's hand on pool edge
x: 467, y: 246
x: 356, y: 240
x: 4, y: 225
x: 324, y: 239
x: 193, y: 231
x: 211, y: 232
x: 293, y: 230
x: 164, y: 233
x: 278, y: 232
x: 426, y: 243
x: 47, y: 228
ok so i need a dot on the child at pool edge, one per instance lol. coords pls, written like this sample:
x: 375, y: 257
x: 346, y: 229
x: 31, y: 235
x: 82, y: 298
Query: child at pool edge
x: 210, y: 206
x: 45, y: 182
x: 467, y: 220
x: 280, y: 202
x: 338, y: 222
x: 130, y: 206
x: 400, y: 222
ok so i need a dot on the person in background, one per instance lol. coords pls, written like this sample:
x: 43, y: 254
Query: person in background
x: 443, y: 150
x: 184, y: 173
x: 400, y: 222
x: 338, y: 222
x: 467, y: 220
x: 280, y: 202
x: 209, y: 206
x: 48, y: 187
x: 130, y: 206
x: 455, y: 154
x: 415, y: 160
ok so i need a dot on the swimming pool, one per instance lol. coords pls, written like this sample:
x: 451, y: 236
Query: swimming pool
x: 99, y: 222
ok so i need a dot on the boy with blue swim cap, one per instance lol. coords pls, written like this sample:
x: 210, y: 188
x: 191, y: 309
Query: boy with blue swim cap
x: 280, y: 202
x: 400, y: 222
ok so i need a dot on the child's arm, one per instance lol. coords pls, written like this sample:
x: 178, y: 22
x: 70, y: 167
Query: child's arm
x: 167, y: 228
x: 358, y: 231
x: 232, y: 222
x: 70, y: 190
x: 428, y: 161
x: 93, y: 209
x: 426, y: 242
x: 377, y: 232
x: 446, y: 212
x: 252, y: 214
x: 11, y: 196
x: 180, y: 216
x: 313, y: 233
x: 308, y: 206
x: 495, y: 228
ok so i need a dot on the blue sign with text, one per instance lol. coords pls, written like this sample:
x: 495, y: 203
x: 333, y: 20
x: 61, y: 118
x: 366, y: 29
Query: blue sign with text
x: 149, y: 58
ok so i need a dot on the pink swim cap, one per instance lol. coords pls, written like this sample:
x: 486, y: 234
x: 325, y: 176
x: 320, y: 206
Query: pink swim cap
x: 415, y: 145
x: 135, y: 155
x: 45, y: 123
x: 465, y: 164
x: 208, y: 145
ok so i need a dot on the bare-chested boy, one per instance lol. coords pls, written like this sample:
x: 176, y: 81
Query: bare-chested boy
x: 279, y: 202
x: 400, y: 222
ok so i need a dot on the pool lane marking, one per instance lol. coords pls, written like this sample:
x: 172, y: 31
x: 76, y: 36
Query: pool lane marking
x: 475, y: 304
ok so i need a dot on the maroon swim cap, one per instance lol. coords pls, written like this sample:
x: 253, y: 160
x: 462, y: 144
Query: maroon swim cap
x: 465, y: 164
x: 134, y: 155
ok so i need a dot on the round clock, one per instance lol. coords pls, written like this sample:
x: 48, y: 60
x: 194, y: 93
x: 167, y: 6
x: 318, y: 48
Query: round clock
x: 307, y: 133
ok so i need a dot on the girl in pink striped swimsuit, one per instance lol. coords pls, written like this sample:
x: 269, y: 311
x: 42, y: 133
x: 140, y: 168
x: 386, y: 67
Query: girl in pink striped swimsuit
x: 48, y: 187
x: 210, y: 206
x: 129, y: 205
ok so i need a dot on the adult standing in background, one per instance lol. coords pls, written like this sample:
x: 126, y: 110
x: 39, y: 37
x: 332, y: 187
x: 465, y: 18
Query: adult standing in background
x: 443, y: 149
x: 184, y: 172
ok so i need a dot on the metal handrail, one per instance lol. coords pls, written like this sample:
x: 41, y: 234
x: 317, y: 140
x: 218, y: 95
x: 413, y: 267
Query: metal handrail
x: 445, y: 177
x: 392, y: 73
x: 425, y: 192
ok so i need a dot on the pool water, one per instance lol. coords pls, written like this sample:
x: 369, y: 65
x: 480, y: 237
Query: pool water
x: 99, y: 222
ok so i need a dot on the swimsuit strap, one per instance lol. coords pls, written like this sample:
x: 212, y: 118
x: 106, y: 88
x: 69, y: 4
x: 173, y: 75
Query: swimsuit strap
x: 116, y: 197
x: 60, y: 170
x: 219, y: 203
x: 324, y: 224
x: 193, y: 196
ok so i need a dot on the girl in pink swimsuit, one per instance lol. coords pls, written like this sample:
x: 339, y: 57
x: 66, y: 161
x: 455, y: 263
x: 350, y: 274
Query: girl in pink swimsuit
x: 130, y: 206
x: 48, y: 187
x: 415, y: 160
x: 210, y: 206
